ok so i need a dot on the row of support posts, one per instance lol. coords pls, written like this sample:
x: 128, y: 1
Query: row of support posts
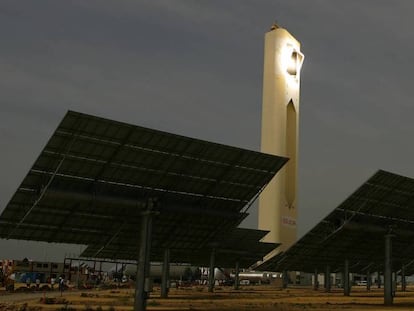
x: 166, y: 272
x: 389, y: 283
x: 211, y: 279
x: 143, y: 270
x: 143, y: 284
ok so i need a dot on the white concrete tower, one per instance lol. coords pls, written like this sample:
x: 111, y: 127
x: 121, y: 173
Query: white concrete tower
x: 280, y: 127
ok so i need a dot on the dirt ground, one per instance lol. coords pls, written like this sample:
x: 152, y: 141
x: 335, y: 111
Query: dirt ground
x: 264, y: 298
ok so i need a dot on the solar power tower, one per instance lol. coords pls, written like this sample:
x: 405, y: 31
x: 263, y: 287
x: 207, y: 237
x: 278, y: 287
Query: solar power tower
x: 280, y: 114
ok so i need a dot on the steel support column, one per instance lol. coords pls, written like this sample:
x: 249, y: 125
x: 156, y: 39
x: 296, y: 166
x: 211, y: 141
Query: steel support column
x: 388, y: 298
x: 328, y: 279
x: 285, y: 279
x: 143, y: 281
x: 369, y: 280
x: 394, y: 283
x: 236, y: 276
x: 379, y: 279
x: 165, y: 274
x: 403, y: 280
x: 211, y: 271
x: 347, y: 287
x: 78, y: 273
x: 315, y: 280
x: 70, y: 268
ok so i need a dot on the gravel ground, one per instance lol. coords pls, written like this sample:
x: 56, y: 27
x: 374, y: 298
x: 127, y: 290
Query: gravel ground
x: 263, y: 298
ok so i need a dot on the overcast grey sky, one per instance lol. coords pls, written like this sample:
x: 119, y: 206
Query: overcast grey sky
x: 195, y: 68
